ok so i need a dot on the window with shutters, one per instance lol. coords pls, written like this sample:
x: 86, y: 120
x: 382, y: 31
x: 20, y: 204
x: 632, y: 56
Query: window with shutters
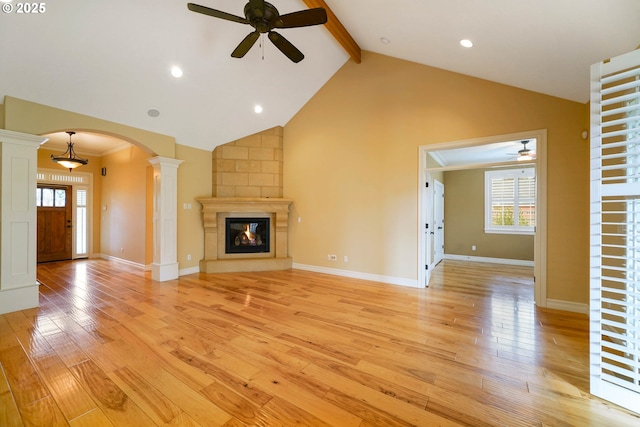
x: 510, y: 201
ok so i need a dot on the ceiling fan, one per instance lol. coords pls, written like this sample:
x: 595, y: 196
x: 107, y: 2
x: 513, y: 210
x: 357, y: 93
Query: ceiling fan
x: 264, y: 17
x: 525, y: 153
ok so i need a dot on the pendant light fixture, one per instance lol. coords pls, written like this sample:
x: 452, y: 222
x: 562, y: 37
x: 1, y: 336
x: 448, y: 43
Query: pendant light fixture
x: 69, y: 159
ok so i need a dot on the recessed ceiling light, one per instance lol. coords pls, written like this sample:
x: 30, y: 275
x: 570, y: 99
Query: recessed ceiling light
x: 384, y: 40
x: 466, y: 43
x: 258, y: 109
x: 176, y: 71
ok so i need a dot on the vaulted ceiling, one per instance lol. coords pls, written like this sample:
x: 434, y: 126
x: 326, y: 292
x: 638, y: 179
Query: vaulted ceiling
x: 113, y: 60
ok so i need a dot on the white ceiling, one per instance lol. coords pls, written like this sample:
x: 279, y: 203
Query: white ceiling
x: 112, y: 60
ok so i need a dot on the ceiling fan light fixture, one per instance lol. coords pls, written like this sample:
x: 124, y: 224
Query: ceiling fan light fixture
x: 525, y: 154
x: 69, y: 159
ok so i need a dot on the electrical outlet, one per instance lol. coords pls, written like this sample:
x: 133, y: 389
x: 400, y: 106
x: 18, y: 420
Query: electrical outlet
x: 332, y: 257
x: 345, y: 259
x: 188, y: 257
x: 473, y: 248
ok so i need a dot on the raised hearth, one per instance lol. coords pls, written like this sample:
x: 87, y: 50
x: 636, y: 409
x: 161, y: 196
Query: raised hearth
x: 218, y: 212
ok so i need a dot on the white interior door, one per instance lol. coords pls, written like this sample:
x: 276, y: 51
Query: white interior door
x: 615, y: 230
x: 438, y: 222
x: 428, y: 228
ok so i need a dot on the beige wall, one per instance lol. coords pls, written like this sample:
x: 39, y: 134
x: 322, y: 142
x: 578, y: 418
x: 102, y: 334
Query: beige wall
x: 194, y: 180
x: 123, y: 213
x: 464, y: 221
x: 351, y: 165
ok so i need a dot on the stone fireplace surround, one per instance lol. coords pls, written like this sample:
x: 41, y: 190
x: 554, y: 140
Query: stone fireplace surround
x: 214, y: 212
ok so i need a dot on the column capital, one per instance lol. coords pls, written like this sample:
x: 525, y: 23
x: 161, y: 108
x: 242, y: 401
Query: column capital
x: 20, y: 138
x: 165, y: 161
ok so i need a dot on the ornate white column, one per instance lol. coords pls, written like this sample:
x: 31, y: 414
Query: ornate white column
x: 18, y: 217
x: 165, y: 218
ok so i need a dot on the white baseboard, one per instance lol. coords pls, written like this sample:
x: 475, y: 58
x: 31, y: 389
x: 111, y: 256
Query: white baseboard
x: 521, y: 262
x: 124, y: 261
x: 358, y: 275
x: 183, y: 272
x: 574, y: 307
x: 190, y: 270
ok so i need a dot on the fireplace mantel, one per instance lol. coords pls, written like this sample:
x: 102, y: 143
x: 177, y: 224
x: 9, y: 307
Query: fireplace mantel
x: 216, y: 209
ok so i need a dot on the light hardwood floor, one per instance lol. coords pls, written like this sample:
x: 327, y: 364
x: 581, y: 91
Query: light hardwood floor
x: 110, y: 347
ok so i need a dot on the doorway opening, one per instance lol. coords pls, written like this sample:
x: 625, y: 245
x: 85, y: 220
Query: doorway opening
x: 425, y: 215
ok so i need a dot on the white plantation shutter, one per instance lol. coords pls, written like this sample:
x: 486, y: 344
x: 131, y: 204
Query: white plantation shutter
x: 526, y: 201
x: 81, y: 223
x: 510, y: 197
x: 615, y: 230
x: 502, y: 200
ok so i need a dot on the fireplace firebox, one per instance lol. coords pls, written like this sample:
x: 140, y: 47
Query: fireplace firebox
x: 246, y: 235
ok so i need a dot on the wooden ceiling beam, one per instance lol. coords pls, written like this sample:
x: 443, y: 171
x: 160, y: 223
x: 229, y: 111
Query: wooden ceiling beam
x: 338, y: 30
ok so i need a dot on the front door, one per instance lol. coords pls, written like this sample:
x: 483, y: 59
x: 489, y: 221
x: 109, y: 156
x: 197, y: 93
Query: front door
x: 54, y: 223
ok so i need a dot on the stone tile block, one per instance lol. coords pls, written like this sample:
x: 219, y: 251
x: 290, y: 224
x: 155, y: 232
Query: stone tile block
x: 271, y: 141
x: 225, y: 191
x: 249, y: 141
x: 272, y: 192
x: 248, y: 191
x: 235, y: 179
x: 231, y: 152
x: 270, y: 166
x: 224, y: 165
x: 251, y: 166
x: 261, y: 179
x: 261, y: 153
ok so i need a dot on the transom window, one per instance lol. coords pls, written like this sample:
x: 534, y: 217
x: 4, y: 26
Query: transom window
x: 510, y: 201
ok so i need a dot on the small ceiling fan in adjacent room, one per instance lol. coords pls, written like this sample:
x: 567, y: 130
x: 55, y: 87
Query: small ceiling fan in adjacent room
x: 264, y: 17
x: 525, y: 154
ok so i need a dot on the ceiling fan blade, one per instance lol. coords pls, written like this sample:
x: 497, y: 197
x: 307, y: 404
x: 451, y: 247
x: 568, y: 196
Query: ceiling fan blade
x: 286, y: 47
x: 258, y: 7
x: 216, y: 13
x: 245, y: 45
x: 302, y: 18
